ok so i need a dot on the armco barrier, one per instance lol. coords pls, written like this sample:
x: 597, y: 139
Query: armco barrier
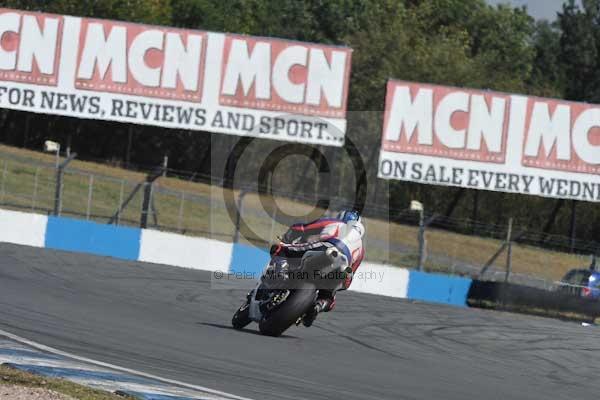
x: 184, y: 251
x: 512, y: 297
x: 90, y: 237
x: 22, y: 228
x: 248, y: 259
x: 438, y: 288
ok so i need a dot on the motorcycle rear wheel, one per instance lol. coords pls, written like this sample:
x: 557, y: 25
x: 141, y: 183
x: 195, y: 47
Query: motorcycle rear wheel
x: 294, y: 307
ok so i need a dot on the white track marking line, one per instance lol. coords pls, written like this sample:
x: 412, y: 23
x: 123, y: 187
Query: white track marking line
x: 117, y: 368
x: 118, y: 380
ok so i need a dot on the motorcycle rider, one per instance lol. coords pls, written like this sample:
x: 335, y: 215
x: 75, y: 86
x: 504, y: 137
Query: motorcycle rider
x: 345, y: 232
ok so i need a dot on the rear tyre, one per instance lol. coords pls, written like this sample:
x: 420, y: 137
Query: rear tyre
x: 241, y: 318
x: 286, y: 315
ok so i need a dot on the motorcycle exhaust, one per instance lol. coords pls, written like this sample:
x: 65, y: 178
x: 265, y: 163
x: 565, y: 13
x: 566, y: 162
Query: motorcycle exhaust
x: 332, y: 253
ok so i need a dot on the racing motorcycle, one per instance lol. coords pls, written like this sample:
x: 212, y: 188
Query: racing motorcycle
x: 289, y: 286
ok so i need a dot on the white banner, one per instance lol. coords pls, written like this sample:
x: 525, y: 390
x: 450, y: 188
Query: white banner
x: 224, y: 83
x: 491, y: 141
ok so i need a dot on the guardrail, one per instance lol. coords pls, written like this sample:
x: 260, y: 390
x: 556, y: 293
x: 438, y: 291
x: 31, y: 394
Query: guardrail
x: 526, y: 299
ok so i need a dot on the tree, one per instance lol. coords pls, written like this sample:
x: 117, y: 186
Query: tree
x: 548, y: 75
x: 146, y: 11
x: 579, y: 51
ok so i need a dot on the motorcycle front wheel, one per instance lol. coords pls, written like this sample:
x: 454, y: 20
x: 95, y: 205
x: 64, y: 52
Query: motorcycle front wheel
x: 295, y: 306
x: 241, y: 318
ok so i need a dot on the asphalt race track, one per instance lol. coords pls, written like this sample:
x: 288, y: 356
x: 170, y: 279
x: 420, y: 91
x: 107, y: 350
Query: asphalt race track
x: 169, y: 322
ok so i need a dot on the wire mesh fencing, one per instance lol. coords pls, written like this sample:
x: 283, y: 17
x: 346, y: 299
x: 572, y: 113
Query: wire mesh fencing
x: 85, y: 195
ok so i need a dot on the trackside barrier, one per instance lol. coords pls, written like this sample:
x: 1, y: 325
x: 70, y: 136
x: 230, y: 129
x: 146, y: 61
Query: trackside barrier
x: 248, y: 259
x: 437, y: 288
x: 380, y: 279
x: 212, y: 255
x: 519, y: 298
x: 23, y: 228
x: 89, y: 237
x: 184, y: 251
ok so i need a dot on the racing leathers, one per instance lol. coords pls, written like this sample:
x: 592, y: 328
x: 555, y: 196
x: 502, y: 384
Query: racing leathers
x: 326, y: 233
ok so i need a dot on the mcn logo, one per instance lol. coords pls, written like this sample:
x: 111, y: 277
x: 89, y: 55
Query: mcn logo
x: 285, y: 76
x: 562, y: 136
x: 30, y: 47
x: 140, y: 60
x: 475, y: 125
x: 446, y: 122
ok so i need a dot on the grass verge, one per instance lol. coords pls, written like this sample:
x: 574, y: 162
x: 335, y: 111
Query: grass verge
x: 11, y: 376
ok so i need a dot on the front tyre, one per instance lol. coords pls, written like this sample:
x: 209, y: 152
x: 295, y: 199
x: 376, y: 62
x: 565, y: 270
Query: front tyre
x: 241, y: 318
x: 294, y: 307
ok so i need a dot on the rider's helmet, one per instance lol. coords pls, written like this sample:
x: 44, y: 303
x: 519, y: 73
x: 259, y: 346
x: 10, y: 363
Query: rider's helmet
x: 348, y: 216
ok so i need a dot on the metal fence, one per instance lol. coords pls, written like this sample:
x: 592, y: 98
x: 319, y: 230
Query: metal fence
x: 28, y: 185
x: 199, y: 209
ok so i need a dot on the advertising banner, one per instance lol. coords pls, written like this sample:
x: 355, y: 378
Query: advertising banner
x: 491, y: 141
x: 173, y: 78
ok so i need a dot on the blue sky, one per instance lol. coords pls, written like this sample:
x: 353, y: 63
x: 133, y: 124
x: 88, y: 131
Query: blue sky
x: 540, y: 9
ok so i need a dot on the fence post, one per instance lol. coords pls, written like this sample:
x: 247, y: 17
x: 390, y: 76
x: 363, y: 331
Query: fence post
x: 146, y: 204
x: 421, y: 238
x: 57, y: 192
x: 59, y: 183
x: 181, y: 204
x: 509, y: 252
x: 475, y: 212
x: 505, y: 244
x: 273, y: 220
x: 4, y: 172
x: 35, y: 188
x: 89, y: 201
x: 147, y: 199
x: 120, y: 201
x: 153, y: 207
x: 238, y: 219
x: 573, y: 225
